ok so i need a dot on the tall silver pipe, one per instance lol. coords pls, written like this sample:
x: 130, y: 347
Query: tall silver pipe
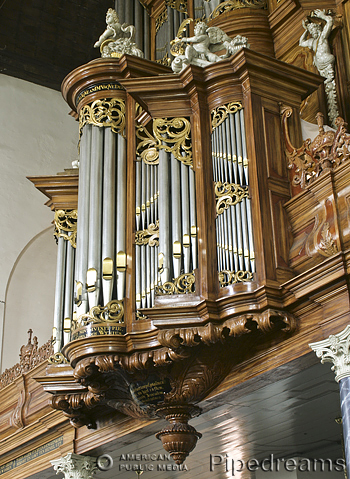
x: 153, y: 274
x: 193, y: 218
x: 143, y: 277
x: 185, y: 206
x: 59, y: 293
x: 95, y: 223
x: 138, y: 21
x: 143, y: 194
x: 121, y: 217
x: 138, y: 268
x: 138, y: 195
x: 108, y: 213
x: 83, y: 219
x: 176, y: 195
x: 148, y: 275
x: 164, y: 221
x: 148, y: 196
x: 151, y: 199
x: 68, y: 291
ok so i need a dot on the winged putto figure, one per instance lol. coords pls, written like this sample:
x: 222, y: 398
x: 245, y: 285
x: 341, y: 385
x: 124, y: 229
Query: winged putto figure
x: 201, y: 49
x: 117, y: 38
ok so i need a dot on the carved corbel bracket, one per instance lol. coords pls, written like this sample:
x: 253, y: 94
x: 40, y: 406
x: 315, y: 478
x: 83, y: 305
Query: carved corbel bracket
x: 77, y: 407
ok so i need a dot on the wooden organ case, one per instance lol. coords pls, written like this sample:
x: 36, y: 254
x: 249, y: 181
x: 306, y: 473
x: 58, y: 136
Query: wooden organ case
x: 183, y: 241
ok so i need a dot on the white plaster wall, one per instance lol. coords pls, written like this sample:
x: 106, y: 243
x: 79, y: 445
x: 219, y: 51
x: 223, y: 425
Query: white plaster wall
x: 37, y: 137
x: 30, y: 296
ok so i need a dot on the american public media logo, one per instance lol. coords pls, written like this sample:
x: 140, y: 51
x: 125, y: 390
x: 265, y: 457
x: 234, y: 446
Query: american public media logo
x: 140, y: 463
x: 221, y: 463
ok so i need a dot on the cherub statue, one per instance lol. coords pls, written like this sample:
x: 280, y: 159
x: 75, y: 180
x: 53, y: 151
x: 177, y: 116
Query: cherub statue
x: 323, y: 58
x: 202, y: 46
x: 117, y: 38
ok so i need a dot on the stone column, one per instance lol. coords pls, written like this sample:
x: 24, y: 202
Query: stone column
x: 336, y: 350
x: 74, y: 466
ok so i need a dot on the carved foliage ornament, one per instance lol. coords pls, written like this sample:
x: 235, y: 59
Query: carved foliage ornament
x: 106, y: 112
x: 336, y: 350
x: 184, y: 284
x: 113, y: 312
x: 229, y: 194
x: 236, y: 4
x: 232, y: 277
x: 219, y: 115
x: 325, y: 152
x: 171, y: 134
x: 179, y: 5
x: 148, y: 236
x: 66, y: 226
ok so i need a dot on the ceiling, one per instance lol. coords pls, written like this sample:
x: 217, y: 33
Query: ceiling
x: 278, y: 413
x: 41, y: 41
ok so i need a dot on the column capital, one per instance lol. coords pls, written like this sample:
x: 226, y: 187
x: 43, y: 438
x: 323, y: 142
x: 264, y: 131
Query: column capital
x: 74, y: 466
x: 335, y: 349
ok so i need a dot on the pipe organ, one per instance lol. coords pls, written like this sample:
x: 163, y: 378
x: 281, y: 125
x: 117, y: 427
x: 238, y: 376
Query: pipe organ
x: 180, y: 252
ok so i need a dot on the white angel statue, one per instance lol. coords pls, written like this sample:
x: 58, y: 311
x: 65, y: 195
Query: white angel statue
x: 202, y: 46
x: 117, y: 38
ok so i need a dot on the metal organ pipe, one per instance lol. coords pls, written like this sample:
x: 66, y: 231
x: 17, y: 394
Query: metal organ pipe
x: 59, y: 293
x: 95, y: 218
x: 164, y: 220
x: 83, y: 220
x: 68, y: 290
x: 108, y: 214
x: 121, y: 217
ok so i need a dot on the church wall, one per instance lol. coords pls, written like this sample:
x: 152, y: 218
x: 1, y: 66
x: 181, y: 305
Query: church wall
x: 37, y: 137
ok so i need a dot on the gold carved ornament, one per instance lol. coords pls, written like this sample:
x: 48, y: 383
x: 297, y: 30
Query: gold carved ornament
x: 177, y: 46
x: 184, y: 284
x: 161, y: 19
x: 106, y: 112
x: 166, y: 60
x: 174, y: 132
x: 148, y: 236
x: 230, y: 5
x: 113, y: 312
x: 219, y: 114
x: 179, y: 5
x: 66, y: 226
x: 229, y: 194
x: 231, y: 277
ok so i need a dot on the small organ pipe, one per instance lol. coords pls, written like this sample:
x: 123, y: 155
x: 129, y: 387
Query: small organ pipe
x: 138, y: 195
x: 68, y: 290
x: 193, y: 218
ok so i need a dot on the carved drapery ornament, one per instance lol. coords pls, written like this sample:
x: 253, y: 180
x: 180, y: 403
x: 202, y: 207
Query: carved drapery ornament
x: 335, y: 350
x: 325, y: 152
x: 179, y: 5
x: 66, y: 225
x: 161, y: 19
x: 74, y: 466
x: 30, y: 356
